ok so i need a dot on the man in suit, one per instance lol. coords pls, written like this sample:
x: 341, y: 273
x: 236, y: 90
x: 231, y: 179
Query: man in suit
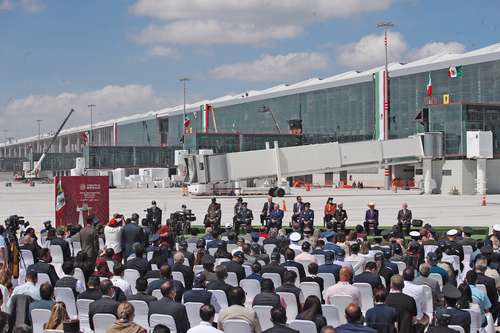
x: 354, y: 319
x: 288, y: 286
x: 44, y: 266
x: 491, y: 289
x: 381, y: 317
x: 199, y: 294
x: 457, y: 316
x: 187, y: 272
x: 138, y: 263
x: 306, y: 218
x: 405, y: 305
x: 340, y: 217
x: 90, y: 240
x: 454, y: 248
x: 166, y: 275
x: 266, y: 210
x: 274, y: 266
x: 237, y: 310
x: 404, y: 219
x: 93, y: 289
x: 235, y: 265
x: 46, y: 295
x: 106, y: 304
x: 59, y: 240
x: 68, y: 281
x: 141, y: 284
x: 371, y: 218
x: 312, y: 269
x: 278, y: 318
x: 369, y: 276
x: 298, y: 207
x: 423, y: 279
x: 290, y: 262
x: 131, y: 234
x: 168, y: 306
x: 219, y: 283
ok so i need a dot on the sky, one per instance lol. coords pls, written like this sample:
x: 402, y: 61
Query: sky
x: 126, y: 56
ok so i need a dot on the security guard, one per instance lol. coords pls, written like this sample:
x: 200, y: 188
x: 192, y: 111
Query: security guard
x: 307, y: 216
x: 154, y: 217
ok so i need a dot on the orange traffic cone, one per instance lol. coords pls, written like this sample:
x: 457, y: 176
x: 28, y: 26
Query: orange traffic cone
x: 284, y: 205
x: 483, y: 201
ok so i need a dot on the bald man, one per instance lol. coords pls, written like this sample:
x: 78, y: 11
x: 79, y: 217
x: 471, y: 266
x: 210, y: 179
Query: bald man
x: 343, y: 287
x: 354, y: 319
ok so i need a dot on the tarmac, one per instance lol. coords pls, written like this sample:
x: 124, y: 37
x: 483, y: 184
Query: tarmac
x: 37, y: 204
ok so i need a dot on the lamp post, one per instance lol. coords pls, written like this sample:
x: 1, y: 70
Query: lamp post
x: 184, y: 80
x: 91, y: 106
x: 388, y: 170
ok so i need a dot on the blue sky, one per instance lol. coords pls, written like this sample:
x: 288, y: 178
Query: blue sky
x: 126, y: 56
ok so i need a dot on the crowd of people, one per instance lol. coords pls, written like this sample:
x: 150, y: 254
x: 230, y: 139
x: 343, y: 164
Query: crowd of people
x: 404, y: 279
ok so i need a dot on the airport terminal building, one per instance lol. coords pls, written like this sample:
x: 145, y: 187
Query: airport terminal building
x: 448, y: 93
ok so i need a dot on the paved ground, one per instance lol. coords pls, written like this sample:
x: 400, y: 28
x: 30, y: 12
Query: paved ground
x: 37, y: 204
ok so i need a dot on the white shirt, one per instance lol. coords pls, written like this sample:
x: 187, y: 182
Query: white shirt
x: 28, y: 289
x: 113, y: 237
x: 418, y: 294
x: 119, y: 282
x: 204, y: 327
x: 306, y: 256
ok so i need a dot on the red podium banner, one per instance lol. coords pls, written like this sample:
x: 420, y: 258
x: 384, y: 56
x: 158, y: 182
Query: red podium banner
x: 77, y: 197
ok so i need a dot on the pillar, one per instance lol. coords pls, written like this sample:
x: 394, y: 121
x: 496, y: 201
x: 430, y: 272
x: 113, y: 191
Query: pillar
x: 481, y: 176
x: 387, y: 177
x: 427, y: 173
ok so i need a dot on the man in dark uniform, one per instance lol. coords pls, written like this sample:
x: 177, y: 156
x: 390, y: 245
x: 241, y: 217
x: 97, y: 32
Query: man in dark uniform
x: 369, y: 276
x: 404, y: 219
x: 457, y: 316
x: 244, y: 218
x: 266, y: 210
x: 237, y: 208
x: 340, y: 217
x: 307, y: 216
x: 466, y: 238
x: 453, y: 245
x: 442, y: 322
x: 154, y: 217
x: 213, y: 216
x: 298, y: 208
x: 371, y: 219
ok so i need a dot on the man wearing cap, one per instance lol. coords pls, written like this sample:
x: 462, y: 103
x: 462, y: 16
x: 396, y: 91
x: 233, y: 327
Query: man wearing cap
x: 454, y: 246
x: 305, y: 255
x: 306, y: 217
x: 153, y: 215
x: 330, y: 244
x: 371, y: 218
x: 442, y: 322
x: 339, y: 259
x: 404, y: 218
x: 329, y: 266
x: 294, y: 242
x: 235, y: 265
x: 274, y: 265
x: 457, y: 316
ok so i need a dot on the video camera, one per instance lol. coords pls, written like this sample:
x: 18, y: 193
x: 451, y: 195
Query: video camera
x: 13, y: 223
x: 180, y: 221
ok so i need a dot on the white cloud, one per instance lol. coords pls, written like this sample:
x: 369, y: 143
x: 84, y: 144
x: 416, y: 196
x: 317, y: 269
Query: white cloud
x: 433, y: 48
x: 369, y: 50
x: 242, y: 22
x: 291, y: 66
x: 111, y: 101
x: 30, y: 6
x: 163, y: 51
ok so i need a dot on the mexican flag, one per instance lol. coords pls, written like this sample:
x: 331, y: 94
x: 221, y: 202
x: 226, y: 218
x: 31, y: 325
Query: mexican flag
x: 429, y: 86
x: 60, y: 201
x: 187, y: 122
x: 455, y: 71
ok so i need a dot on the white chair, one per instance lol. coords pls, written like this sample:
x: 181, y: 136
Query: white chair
x: 193, y: 312
x: 460, y: 329
x: 39, y: 317
x: 157, y: 293
x: 292, y: 309
x: 179, y: 277
x: 320, y: 258
x: 221, y: 297
x: 366, y: 296
x: 191, y: 247
x: 331, y: 313
x: 490, y: 327
x: 475, y: 320
x: 303, y: 326
x: 131, y: 276
x: 248, y: 269
x: 264, y: 316
x: 296, y: 270
x: 275, y: 277
x: 82, y: 306
x: 269, y: 248
x: 186, y: 262
x: 219, y: 261
x: 78, y: 274
x: 357, y: 266
x: 111, y: 265
x: 251, y: 288
x: 310, y: 289
x: 341, y: 302
x: 41, y: 279
x: 237, y: 326
x: 27, y: 258
x: 66, y: 296
x: 467, y: 254
x: 328, y: 279
x: 212, y: 251
x: 438, y: 278
x: 76, y: 246
x: 102, y: 321
x: 56, y: 253
x: 141, y: 310
x: 149, y: 255
x: 429, y: 248
x: 167, y: 320
x: 304, y: 263
x: 232, y: 279
x: 401, y: 266
x: 198, y: 269
x: 429, y: 300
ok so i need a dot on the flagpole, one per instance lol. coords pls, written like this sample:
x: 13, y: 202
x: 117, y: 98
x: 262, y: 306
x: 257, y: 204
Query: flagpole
x: 184, y: 80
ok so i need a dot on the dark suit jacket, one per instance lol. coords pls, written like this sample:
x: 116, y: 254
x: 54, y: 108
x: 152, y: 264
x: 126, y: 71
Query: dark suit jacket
x: 233, y: 266
x: 64, y: 247
x: 187, y: 273
x: 330, y: 268
x: 20, y: 315
x: 139, y: 264
x: 404, y: 217
x: 179, y: 288
x: 316, y: 279
x: 90, y: 293
x: 170, y: 307
x: 90, y: 241
x: 219, y: 285
x: 368, y: 277
x: 300, y: 267
x: 131, y: 234
x: 198, y: 296
x: 374, y: 217
x: 354, y: 328
x: 458, y: 317
x: 273, y: 268
x: 102, y: 305
x: 382, y: 318
x: 290, y: 288
x: 280, y: 329
x: 265, y: 208
x: 142, y: 296
x: 43, y: 267
x: 269, y: 299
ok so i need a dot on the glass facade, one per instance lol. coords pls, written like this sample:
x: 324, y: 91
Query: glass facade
x: 128, y: 157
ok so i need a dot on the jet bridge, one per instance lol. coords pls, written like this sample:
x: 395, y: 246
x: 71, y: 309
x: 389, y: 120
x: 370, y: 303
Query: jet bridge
x: 203, y: 171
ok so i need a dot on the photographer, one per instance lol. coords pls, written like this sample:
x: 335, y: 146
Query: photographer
x: 153, y: 217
